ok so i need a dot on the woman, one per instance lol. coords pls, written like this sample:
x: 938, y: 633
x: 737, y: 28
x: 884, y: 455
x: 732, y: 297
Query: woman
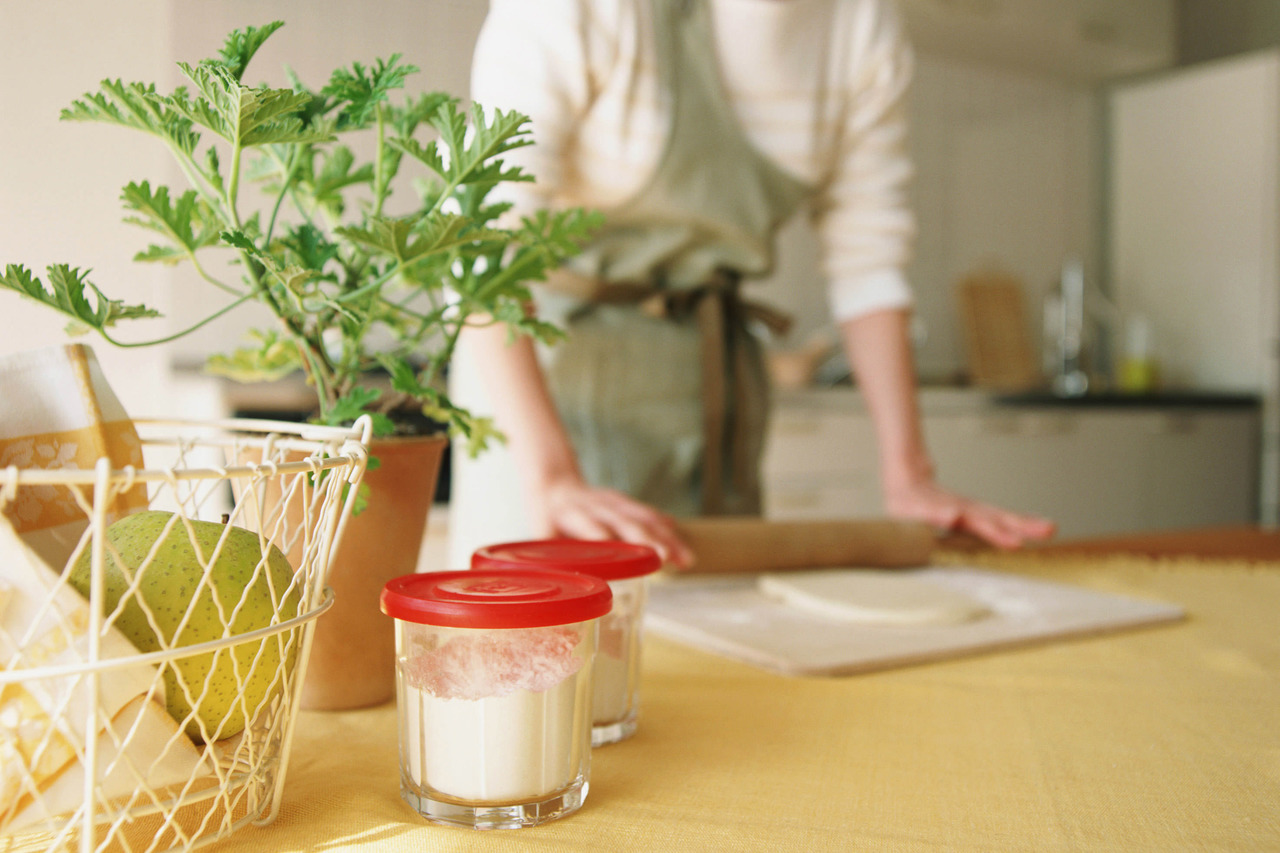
x: 698, y: 127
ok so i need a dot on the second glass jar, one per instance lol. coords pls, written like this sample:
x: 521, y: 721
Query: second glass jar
x: 626, y: 567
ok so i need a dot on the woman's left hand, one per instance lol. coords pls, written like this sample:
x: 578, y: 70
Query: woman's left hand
x: 930, y: 503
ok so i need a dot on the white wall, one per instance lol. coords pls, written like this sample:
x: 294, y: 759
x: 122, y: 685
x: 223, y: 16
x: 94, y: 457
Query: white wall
x: 59, y: 181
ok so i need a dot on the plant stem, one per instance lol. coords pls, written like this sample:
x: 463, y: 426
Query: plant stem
x: 233, y: 185
x: 443, y: 356
x: 514, y: 272
x: 286, y: 186
x: 372, y: 286
x: 379, y: 190
x: 226, y: 288
x: 318, y: 372
x: 166, y: 339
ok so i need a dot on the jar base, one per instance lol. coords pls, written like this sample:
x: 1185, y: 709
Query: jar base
x: 500, y: 816
x: 607, y: 733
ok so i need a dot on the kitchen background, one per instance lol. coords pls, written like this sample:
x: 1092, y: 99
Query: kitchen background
x: 1031, y: 134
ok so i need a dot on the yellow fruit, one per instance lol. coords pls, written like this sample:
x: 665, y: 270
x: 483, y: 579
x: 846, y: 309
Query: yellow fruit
x: 217, y: 581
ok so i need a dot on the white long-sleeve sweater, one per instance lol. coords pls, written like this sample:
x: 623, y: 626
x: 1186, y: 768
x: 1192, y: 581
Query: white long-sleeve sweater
x: 817, y: 85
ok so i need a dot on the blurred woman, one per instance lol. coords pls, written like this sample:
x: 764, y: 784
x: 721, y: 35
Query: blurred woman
x: 697, y: 127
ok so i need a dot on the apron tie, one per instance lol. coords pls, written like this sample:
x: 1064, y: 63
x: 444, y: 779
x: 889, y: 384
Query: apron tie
x: 722, y: 317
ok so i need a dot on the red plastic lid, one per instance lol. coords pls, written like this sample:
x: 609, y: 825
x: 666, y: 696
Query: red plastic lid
x: 609, y: 560
x: 500, y: 598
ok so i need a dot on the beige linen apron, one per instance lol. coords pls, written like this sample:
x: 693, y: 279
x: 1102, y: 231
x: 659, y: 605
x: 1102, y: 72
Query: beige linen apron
x: 661, y: 383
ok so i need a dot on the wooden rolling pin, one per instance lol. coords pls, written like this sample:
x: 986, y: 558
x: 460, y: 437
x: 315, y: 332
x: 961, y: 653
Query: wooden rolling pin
x: 744, y: 544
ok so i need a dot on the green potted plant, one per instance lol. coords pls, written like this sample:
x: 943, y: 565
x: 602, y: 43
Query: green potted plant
x: 367, y: 293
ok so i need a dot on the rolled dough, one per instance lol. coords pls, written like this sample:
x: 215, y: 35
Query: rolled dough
x: 872, y: 597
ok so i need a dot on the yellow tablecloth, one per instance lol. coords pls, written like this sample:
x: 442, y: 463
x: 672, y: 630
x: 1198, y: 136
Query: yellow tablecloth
x: 1158, y: 739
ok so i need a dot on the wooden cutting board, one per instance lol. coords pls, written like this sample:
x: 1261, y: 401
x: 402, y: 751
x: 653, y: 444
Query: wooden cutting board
x: 997, y: 337
x: 730, y: 616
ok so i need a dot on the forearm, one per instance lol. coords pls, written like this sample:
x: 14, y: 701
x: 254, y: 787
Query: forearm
x: 879, y: 350
x: 522, y: 404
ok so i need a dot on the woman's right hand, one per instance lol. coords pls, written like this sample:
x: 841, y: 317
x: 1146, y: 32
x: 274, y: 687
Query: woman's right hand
x: 574, y: 509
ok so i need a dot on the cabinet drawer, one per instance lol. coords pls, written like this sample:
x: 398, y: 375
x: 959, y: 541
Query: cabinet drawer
x: 801, y: 443
x: 812, y: 501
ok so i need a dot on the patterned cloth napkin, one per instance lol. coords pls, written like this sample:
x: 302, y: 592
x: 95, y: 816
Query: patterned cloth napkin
x: 57, y: 412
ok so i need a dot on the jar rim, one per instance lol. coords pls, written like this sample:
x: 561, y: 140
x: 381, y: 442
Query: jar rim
x: 496, y: 598
x: 607, y: 559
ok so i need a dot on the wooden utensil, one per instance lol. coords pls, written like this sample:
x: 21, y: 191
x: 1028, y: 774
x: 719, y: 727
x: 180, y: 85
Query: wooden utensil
x: 745, y: 544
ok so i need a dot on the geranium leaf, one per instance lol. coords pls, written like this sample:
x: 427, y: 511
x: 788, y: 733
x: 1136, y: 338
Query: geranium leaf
x: 243, y: 115
x: 241, y: 45
x: 71, y: 293
x: 356, y: 403
x: 360, y: 89
x: 187, y: 221
x: 136, y: 106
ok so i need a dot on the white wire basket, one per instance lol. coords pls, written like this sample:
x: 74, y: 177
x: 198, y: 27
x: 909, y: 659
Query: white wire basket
x: 150, y: 686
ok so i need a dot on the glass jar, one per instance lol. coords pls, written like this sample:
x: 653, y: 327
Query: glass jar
x: 626, y: 568
x: 493, y: 690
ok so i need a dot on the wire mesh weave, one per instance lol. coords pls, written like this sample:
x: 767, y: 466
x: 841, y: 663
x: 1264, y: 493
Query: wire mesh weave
x: 149, y: 686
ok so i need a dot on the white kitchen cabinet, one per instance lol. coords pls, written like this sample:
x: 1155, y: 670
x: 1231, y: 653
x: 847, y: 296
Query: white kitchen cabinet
x: 1094, y: 469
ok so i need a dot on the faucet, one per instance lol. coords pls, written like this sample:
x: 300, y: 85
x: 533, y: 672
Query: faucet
x: 1064, y: 320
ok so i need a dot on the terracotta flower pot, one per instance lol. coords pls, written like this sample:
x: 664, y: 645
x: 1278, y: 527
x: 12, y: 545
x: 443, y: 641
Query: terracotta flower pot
x: 352, y: 661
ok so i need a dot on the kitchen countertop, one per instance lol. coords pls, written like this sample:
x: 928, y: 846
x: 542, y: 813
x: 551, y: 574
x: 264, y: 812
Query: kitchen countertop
x: 1162, y: 738
x: 292, y: 394
x: 844, y: 398
x: 947, y: 399
x: 1158, y: 399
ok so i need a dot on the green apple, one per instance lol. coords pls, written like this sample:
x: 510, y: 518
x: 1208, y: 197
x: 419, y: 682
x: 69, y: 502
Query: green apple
x: 214, y: 694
